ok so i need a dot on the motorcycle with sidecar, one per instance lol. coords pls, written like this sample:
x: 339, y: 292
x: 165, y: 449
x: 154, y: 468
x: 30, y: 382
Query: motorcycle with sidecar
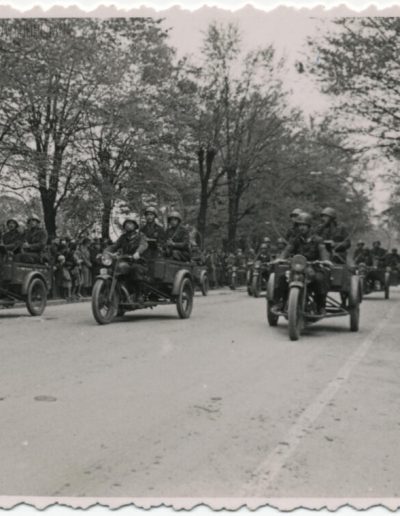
x: 23, y: 282
x: 126, y: 285
x: 375, y: 278
x: 299, y: 308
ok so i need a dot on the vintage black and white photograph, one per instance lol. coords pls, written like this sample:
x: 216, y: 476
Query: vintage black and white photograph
x: 199, y: 265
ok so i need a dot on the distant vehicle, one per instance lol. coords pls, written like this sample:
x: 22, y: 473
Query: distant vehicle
x: 23, y: 282
x: 376, y: 279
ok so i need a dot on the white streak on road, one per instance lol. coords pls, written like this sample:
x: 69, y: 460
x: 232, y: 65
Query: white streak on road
x: 265, y: 474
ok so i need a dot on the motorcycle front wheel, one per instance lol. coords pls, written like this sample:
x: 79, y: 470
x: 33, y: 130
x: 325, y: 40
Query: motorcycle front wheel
x: 295, y: 316
x: 104, y: 307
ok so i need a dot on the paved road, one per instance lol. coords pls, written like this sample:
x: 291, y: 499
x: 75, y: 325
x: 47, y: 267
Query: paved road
x: 217, y: 405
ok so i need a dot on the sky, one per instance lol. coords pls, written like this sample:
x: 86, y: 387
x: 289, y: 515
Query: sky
x: 288, y: 30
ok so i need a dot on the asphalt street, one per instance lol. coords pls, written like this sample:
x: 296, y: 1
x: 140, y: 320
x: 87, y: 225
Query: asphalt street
x: 219, y: 405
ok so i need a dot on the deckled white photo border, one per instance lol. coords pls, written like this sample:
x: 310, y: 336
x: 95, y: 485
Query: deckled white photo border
x: 29, y: 505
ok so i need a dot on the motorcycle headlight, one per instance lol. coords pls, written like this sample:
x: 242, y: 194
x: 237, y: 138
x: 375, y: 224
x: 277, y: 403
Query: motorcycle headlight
x: 299, y: 263
x: 106, y: 259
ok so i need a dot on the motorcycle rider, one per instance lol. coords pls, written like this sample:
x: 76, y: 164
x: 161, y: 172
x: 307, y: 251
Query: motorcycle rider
x: 378, y: 254
x: 34, y: 242
x: 12, y: 238
x: 177, y: 239
x: 310, y: 246
x: 154, y: 233
x: 335, y: 235
x: 132, y: 242
x: 292, y: 231
x: 362, y: 254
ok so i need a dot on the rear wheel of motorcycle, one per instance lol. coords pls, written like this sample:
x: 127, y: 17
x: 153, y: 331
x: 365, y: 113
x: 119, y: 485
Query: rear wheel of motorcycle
x: 271, y: 317
x: 295, y: 317
x: 354, y: 303
x: 387, y: 285
x: 104, y: 309
x: 256, y: 286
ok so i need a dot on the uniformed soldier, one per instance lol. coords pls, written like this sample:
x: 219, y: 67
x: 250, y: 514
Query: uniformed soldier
x: 131, y: 242
x: 34, y: 242
x: 393, y: 259
x: 378, y: 254
x: 312, y: 248
x: 362, y: 254
x: 335, y: 235
x: 154, y: 233
x: 177, y: 240
x: 12, y: 238
x: 292, y: 231
x: 264, y: 254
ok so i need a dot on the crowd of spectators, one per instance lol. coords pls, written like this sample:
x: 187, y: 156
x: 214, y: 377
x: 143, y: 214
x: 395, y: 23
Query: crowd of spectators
x: 75, y: 265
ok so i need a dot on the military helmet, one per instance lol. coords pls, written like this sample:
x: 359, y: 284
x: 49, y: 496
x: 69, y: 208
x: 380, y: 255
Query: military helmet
x: 264, y: 245
x: 151, y: 209
x: 360, y: 242
x: 12, y: 220
x: 130, y: 219
x: 330, y: 212
x: 281, y: 240
x: 174, y: 215
x: 304, y: 218
x: 296, y: 212
x: 33, y: 217
x: 266, y: 240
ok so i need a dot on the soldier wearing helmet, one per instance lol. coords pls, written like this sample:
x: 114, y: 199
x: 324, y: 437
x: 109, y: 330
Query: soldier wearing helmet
x: 154, y: 233
x: 34, y: 242
x: 131, y: 242
x: 12, y: 238
x: 362, y: 254
x: 264, y: 253
x: 177, y: 245
x: 393, y: 259
x: 292, y: 231
x: 335, y: 235
x: 311, y: 247
x: 378, y: 254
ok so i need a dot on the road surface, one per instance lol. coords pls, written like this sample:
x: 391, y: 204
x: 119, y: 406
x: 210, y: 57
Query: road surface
x: 219, y: 405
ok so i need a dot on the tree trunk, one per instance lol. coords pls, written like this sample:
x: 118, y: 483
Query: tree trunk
x: 106, y: 218
x: 49, y: 212
x: 233, y: 208
x: 202, y: 215
x: 205, y: 190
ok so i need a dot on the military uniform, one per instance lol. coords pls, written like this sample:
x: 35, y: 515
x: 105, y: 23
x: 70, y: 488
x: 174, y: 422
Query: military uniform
x: 339, y: 235
x: 362, y: 256
x: 392, y: 260
x: 378, y: 256
x: 37, y: 239
x: 12, y: 240
x: 155, y: 236
x: 180, y: 244
x: 129, y: 243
